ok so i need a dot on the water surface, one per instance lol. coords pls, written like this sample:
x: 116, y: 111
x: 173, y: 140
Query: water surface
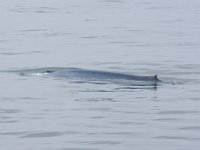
x: 131, y: 36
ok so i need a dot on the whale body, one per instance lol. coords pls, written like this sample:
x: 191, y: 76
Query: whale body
x: 88, y: 75
x: 96, y: 75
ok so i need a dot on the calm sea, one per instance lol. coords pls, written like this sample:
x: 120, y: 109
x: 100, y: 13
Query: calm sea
x: 143, y: 37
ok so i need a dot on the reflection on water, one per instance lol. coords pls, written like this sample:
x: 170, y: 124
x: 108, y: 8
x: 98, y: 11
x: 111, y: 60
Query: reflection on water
x: 137, y: 37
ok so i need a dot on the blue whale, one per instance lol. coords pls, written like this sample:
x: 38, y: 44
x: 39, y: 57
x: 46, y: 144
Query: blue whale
x: 96, y: 75
x: 88, y: 75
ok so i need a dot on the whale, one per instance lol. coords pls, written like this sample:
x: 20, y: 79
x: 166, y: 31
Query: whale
x: 79, y: 75
x: 108, y: 76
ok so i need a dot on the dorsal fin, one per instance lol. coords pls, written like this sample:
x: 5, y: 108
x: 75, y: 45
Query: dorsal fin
x: 156, y: 77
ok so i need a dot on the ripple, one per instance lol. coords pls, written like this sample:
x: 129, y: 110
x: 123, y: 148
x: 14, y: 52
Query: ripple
x: 42, y: 134
x: 34, y: 30
x: 72, y: 148
x: 103, y: 142
x: 197, y: 128
x: 9, y: 121
x: 36, y: 9
x: 177, y: 112
x: 176, y: 138
x: 104, y: 91
x: 96, y: 99
x: 11, y: 53
x: 54, y: 34
x: 91, y: 37
x: 112, y: 1
x: 8, y: 111
x: 137, y: 88
x: 165, y: 119
x: 12, y: 133
x: 5, y: 117
x: 117, y: 133
x: 49, y: 134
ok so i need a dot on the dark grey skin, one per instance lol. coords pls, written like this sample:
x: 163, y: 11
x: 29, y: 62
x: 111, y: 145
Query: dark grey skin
x: 79, y: 75
x: 114, y: 77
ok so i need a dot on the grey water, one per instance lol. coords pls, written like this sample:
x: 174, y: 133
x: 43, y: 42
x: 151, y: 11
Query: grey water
x: 136, y: 37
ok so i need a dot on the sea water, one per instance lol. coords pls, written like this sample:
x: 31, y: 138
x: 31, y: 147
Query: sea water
x: 140, y: 37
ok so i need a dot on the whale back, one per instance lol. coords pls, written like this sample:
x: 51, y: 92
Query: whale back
x: 95, y: 74
x: 88, y: 75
